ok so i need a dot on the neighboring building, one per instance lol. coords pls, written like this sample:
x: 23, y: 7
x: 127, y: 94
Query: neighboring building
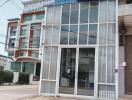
x: 80, y: 51
x: 5, y: 62
x: 125, y: 30
x: 24, y: 39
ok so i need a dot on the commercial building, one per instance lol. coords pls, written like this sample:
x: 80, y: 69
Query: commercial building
x: 78, y: 48
x: 80, y: 51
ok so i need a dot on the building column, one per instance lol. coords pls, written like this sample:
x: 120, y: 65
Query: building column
x: 35, y: 65
x: 21, y: 66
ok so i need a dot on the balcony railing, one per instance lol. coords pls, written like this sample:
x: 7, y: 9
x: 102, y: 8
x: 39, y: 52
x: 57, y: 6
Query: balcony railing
x: 125, y: 10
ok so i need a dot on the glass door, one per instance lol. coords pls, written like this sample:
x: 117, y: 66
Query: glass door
x: 86, y: 63
x: 67, y: 71
x: 84, y: 72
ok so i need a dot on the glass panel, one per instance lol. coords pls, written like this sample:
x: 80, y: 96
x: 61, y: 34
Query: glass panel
x: 103, y: 11
x: 13, y: 31
x: 110, y: 64
x: 83, y: 34
x: 53, y: 63
x: 67, y: 71
x: 74, y: 13
x: 112, y: 11
x: 16, y: 66
x: 84, y: 8
x: 24, y: 30
x: 102, y: 64
x: 48, y: 35
x: 50, y: 11
x: 48, y: 87
x: 64, y: 34
x: 46, y: 62
x: 55, y: 36
x: 102, y: 33
x: 73, y: 34
x: 93, y: 18
x: 39, y: 16
x: 57, y: 15
x: 86, y: 71
x: 65, y: 14
x: 111, y: 33
x: 28, y: 18
x: 92, y: 33
x: 28, y: 67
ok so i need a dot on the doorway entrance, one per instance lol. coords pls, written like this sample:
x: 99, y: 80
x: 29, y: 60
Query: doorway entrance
x: 77, y: 71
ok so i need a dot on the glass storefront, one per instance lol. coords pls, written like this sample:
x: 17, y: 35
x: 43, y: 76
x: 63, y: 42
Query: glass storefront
x: 80, y: 50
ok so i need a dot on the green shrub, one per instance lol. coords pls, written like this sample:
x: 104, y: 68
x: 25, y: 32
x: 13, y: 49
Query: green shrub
x: 23, y: 78
x: 6, y: 77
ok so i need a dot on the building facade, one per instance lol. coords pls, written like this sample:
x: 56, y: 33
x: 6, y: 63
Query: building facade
x: 24, y: 39
x: 76, y: 42
x: 125, y: 30
x: 5, y: 62
x: 80, y: 51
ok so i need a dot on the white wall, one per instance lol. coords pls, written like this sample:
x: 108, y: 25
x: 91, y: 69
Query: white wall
x: 121, y: 72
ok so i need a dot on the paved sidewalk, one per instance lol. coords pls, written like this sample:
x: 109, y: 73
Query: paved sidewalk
x: 18, y: 92
x: 30, y: 92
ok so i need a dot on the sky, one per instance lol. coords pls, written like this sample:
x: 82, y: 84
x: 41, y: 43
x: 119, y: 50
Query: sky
x: 11, y: 9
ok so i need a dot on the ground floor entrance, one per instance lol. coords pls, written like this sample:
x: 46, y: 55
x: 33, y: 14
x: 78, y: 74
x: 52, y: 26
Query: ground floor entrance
x: 77, y: 71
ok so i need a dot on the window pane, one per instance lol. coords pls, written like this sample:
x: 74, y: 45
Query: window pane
x: 55, y: 36
x: 13, y: 31
x: 92, y: 33
x: 93, y: 12
x: 24, y: 30
x: 83, y: 34
x: 53, y: 63
x: 112, y: 11
x: 64, y: 34
x: 111, y: 33
x: 67, y: 70
x: 65, y: 14
x: 74, y: 13
x: 39, y: 16
x: 84, y: 12
x: 103, y: 11
x: 57, y: 14
x: 28, y: 18
x: 46, y: 62
x: 49, y: 13
x: 110, y: 64
x: 102, y: 65
x: 48, y: 35
x: 102, y: 33
x: 73, y: 34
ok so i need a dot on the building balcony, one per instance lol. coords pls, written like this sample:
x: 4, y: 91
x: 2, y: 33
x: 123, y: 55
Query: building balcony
x: 124, y: 10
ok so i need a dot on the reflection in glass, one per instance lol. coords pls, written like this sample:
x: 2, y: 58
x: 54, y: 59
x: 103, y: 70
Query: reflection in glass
x: 92, y: 33
x: 84, y: 12
x: 64, y: 34
x: 93, y: 18
x: 67, y: 71
x: 86, y: 71
x: 83, y: 34
x: 65, y: 14
x: 73, y: 34
x: 74, y: 13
